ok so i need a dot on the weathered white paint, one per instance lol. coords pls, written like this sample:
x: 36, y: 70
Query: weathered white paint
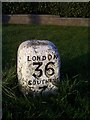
x: 38, y: 66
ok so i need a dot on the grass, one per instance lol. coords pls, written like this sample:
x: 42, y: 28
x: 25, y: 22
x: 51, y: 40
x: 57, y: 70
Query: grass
x: 72, y: 101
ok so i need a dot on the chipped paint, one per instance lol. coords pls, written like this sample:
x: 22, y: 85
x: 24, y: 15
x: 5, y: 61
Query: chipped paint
x: 38, y: 66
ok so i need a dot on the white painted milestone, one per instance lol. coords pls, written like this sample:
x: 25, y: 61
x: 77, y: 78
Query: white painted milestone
x: 38, y: 66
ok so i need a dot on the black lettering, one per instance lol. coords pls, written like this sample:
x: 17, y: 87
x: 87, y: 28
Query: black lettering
x: 38, y: 82
x: 49, y: 80
x: 37, y: 69
x: 28, y: 58
x: 43, y: 81
x: 33, y: 58
x: 30, y: 82
x: 34, y: 82
x: 43, y: 58
x: 49, y: 71
x: 55, y: 56
x: 49, y: 57
x: 38, y: 58
x: 46, y: 81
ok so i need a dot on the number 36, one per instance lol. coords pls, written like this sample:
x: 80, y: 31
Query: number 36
x: 49, y: 71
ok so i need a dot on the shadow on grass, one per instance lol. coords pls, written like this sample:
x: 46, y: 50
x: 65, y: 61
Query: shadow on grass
x: 76, y: 66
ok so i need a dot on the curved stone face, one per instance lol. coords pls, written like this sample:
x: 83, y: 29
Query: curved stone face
x: 38, y: 66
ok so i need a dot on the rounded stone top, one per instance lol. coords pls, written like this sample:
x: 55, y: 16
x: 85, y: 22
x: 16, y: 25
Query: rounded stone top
x: 29, y: 43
